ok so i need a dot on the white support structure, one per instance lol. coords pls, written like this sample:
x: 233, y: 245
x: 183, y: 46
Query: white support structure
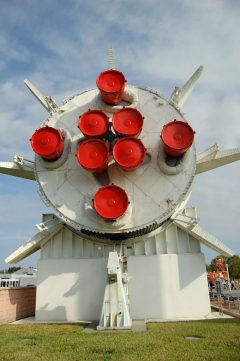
x: 187, y: 221
x: 180, y: 95
x: 115, y: 311
x: 72, y: 277
x: 20, y: 167
x: 47, y: 101
x: 46, y: 230
x: 212, y: 158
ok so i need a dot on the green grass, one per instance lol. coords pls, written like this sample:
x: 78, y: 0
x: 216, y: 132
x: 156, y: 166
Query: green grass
x: 219, y: 340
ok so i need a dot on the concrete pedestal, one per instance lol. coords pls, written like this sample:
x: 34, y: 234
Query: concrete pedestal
x: 168, y: 287
x: 161, y: 287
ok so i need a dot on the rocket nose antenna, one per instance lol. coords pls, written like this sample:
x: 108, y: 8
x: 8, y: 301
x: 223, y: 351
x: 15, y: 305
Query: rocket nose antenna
x: 111, y: 58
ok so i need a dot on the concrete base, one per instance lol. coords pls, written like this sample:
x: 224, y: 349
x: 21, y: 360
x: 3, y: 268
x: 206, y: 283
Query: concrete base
x: 70, y: 289
x: 161, y: 287
x: 168, y: 287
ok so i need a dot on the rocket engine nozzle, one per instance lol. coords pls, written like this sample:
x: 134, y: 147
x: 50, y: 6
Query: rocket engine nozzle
x: 48, y: 143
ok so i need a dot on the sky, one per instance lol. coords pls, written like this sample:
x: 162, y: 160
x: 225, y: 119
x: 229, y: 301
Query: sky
x: 61, y: 46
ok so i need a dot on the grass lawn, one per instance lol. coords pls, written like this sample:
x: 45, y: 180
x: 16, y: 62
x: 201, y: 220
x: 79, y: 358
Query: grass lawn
x: 219, y: 340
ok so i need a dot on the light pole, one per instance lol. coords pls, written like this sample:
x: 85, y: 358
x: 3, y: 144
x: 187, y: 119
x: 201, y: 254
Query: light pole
x: 228, y: 279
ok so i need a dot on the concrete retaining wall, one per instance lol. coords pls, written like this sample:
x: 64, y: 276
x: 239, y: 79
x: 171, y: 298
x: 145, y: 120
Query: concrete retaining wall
x: 17, y: 303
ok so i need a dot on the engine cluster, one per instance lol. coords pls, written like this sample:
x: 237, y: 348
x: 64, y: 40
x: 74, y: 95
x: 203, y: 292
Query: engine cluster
x: 84, y: 141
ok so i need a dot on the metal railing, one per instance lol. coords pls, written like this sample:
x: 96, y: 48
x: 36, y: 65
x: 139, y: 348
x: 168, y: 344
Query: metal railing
x: 226, y: 301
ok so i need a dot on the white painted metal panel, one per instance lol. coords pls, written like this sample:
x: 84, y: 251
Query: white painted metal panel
x: 69, y: 188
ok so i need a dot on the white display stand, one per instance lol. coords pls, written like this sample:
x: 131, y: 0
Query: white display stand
x: 164, y: 282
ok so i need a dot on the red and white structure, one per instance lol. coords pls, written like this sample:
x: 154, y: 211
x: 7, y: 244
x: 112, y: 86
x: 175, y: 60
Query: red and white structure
x: 116, y: 165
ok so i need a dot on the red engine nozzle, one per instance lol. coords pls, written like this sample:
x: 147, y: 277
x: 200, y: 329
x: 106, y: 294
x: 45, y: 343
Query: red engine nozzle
x: 93, y: 154
x: 129, y: 153
x: 110, y: 202
x: 93, y: 123
x: 177, y: 137
x: 111, y: 84
x: 48, y: 142
x: 127, y: 121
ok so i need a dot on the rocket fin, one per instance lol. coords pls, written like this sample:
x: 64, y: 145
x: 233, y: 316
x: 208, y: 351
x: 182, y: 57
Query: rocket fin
x: 47, y: 102
x: 47, y: 230
x: 213, y: 158
x: 18, y: 168
x: 188, y: 222
x: 180, y: 95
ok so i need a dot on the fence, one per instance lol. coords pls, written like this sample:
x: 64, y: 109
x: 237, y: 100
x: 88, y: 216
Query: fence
x: 226, y: 302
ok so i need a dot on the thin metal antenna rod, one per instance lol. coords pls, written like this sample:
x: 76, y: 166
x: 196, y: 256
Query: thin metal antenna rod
x: 111, y: 58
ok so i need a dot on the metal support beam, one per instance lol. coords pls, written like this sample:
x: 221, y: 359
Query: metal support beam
x: 20, y: 167
x: 47, y: 102
x: 212, y: 158
x: 115, y: 312
x: 180, y: 95
x: 189, y: 225
x: 46, y: 230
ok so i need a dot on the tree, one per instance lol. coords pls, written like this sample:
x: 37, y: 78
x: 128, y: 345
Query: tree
x: 234, y: 266
x: 209, y: 268
x: 13, y: 269
x: 213, y: 262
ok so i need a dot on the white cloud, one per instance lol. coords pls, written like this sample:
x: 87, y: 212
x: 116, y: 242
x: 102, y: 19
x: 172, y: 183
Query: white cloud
x: 12, y: 49
x: 214, y: 117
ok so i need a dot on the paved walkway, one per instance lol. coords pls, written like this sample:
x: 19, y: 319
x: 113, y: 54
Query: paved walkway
x: 137, y: 325
x: 215, y: 314
x: 29, y: 320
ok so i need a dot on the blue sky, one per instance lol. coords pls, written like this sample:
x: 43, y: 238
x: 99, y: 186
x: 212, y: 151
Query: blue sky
x: 61, y: 46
